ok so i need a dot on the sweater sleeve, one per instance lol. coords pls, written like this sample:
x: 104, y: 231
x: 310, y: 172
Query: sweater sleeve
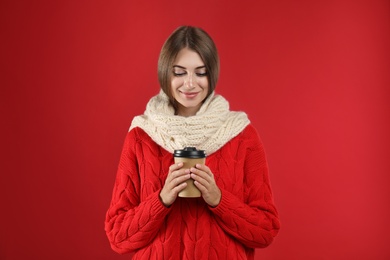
x: 130, y: 223
x: 254, y: 221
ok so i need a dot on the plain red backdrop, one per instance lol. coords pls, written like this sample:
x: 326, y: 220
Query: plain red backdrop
x: 313, y: 77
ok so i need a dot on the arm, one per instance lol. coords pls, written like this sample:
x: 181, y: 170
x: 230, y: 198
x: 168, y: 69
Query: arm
x: 254, y: 221
x: 130, y: 223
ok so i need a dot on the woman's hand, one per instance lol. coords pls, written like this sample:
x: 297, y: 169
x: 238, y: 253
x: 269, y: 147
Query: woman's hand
x: 204, y: 181
x: 174, y: 183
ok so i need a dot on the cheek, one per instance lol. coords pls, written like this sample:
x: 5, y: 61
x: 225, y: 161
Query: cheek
x: 203, y: 82
x: 176, y: 82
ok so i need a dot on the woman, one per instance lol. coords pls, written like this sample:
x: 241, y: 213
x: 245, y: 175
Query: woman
x: 235, y: 213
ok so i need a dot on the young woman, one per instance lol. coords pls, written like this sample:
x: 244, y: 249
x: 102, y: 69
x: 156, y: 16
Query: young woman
x: 235, y: 212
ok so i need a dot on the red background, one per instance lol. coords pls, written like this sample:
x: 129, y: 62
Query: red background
x: 312, y: 75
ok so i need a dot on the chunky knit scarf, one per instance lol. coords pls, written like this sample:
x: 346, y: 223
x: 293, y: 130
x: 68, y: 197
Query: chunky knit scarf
x: 212, y: 127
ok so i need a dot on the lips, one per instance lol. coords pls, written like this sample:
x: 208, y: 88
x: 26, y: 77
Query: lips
x: 190, y: 94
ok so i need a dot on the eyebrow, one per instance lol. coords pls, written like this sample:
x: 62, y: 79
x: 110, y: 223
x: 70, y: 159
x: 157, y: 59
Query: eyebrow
x: 181, y: 67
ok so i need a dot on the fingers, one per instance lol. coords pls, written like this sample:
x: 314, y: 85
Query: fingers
x: 178, y: 188
x: 203, y: 168
x: 175, y: 175
x: 205, y: 182
x: 203, y: 172
x: 174, y: 183
x: 179, y: 177
x: 203, y: 179
x: 175, y: 167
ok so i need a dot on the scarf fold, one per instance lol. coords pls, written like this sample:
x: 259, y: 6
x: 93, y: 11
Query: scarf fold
x: 211, y: 128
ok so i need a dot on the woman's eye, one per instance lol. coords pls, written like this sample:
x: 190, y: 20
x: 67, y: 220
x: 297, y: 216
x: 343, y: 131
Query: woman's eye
x: 183, y: 73
x: 178, y: 74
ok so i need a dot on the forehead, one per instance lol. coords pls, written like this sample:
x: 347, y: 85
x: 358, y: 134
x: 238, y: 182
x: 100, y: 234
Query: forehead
x: 188, y: 58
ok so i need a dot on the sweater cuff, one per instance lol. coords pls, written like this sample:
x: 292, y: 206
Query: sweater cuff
x: 223, y: 207
x: 157, y: 206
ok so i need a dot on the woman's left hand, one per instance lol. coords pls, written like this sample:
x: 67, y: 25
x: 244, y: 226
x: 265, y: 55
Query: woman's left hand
x: 205, y: 182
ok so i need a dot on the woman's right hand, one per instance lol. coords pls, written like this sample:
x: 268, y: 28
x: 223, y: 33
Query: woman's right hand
x: 174, y: 183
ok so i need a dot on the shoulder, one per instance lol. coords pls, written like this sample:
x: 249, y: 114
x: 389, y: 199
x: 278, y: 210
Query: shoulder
x: 137, y: 132
x: 250, y: 138
x: 137, y: 135
x: 249, y: 132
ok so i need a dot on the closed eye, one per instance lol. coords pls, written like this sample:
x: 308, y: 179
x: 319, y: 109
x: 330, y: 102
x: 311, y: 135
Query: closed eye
x: 179, y: 74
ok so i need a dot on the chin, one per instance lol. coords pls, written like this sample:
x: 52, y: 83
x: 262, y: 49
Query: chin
x: 190, y: 104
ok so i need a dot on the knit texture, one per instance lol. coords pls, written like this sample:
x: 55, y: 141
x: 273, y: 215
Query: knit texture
x: 212, y: 127
x: 246, y: 217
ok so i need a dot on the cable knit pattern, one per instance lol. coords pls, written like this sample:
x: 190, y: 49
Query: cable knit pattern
x: 212, y: 127
x: 246, y: 217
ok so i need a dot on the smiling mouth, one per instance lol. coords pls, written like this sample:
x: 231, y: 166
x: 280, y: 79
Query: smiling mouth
x: 190, y: 94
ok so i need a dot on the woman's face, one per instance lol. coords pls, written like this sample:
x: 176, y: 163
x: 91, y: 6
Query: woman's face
x: 189, y: 83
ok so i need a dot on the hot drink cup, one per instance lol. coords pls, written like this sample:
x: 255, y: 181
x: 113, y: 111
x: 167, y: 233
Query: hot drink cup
x: 189, y: 156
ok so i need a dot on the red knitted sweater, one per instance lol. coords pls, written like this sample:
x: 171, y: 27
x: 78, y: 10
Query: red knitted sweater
x: 246, y: 217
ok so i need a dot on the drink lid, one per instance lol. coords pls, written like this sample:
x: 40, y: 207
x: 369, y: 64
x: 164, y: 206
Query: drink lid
x: 190, y: 152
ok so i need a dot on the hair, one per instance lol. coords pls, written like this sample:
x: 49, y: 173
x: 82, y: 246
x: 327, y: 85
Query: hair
x: 195, y: 39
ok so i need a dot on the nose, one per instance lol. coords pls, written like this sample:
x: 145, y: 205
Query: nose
x: 189, y: 81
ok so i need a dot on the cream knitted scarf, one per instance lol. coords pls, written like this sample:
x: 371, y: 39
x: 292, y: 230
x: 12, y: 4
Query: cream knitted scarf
x: 212, y: 127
